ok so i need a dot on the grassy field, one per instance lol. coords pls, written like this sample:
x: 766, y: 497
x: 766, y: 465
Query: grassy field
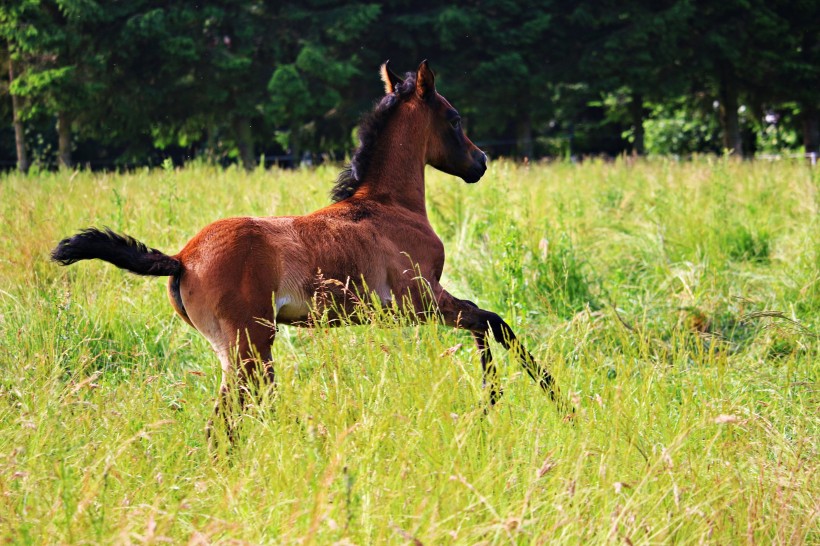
x: 678, y: 305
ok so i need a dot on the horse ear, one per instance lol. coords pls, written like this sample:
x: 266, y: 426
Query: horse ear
x: 391, y: 81
x: 425, y: 81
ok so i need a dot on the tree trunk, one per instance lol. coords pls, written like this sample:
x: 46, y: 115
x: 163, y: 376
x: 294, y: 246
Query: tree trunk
x: 811, y: 130
x: 64, y: 134
x: 19, y: 132
x: 729, y: 120
x: 295, y: 147
x: 636, y: 112
x: 523, y: 136
x: 244, y: 141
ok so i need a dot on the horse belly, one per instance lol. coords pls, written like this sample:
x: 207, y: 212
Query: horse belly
x: 290, y: 309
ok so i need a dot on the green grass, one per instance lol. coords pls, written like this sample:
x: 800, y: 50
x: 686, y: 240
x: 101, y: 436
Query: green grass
x: 678, y: 305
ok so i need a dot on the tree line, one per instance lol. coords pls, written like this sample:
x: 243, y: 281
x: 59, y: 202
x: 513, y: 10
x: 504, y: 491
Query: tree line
x: 127, y: 83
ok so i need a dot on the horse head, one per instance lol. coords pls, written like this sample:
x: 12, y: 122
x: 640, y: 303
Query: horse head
x: 448, y: 148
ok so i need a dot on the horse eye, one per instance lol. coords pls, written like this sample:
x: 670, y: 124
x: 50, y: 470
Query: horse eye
x: 455, y: 123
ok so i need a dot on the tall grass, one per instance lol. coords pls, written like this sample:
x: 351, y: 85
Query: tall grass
x: 677, y: 304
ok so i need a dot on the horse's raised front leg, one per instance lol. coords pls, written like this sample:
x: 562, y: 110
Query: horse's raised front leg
x: 481, y: 323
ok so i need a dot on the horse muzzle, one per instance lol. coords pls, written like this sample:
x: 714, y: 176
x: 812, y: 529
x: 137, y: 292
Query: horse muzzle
x: 478, y: 168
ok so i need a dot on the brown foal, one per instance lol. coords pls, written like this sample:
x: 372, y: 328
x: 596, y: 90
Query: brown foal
x: 239, y: 277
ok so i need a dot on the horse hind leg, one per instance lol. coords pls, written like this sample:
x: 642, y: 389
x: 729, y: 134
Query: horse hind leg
x: 247, y: 369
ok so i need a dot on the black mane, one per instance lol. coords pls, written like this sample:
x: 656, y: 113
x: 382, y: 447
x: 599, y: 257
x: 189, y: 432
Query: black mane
x: 370, y: 126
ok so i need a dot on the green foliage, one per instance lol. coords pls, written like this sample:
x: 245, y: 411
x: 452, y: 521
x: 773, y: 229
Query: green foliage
x: 562, y: 279
x: 741, y: 243
x: 529, y: 281
x: 681, y: 129
x: 779, y: 133
x: 694, y: 377
x: 774, y: 138
x: 287, y: 91
x: 226, y: 79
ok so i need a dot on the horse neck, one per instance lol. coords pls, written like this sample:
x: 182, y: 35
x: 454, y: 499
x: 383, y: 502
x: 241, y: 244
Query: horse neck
x: 396, y: 171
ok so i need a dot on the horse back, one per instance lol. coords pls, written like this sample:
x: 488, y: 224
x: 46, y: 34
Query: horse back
x: 273, y: 267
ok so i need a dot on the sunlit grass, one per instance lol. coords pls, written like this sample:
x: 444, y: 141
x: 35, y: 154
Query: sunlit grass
x: 678, y: 305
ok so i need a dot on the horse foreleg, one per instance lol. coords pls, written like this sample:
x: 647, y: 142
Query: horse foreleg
x: 489, y: 372
x: 468, y: 316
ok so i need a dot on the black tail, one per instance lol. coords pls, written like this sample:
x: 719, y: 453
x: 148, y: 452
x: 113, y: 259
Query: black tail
x: 121, y: 250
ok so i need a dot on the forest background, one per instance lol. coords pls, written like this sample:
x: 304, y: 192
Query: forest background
x: 117, y: 84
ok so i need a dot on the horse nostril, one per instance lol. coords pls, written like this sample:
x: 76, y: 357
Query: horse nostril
x: 483, y: 159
